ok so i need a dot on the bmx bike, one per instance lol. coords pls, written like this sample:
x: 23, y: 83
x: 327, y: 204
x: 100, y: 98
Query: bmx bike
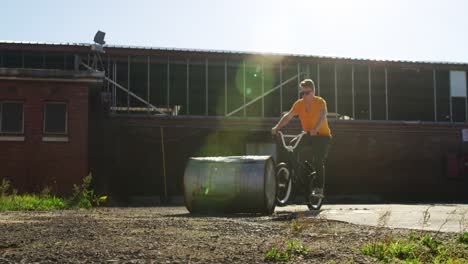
x: 296, y: 178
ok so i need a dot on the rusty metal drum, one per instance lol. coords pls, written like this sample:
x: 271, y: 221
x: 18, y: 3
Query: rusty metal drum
x: 232, y: 184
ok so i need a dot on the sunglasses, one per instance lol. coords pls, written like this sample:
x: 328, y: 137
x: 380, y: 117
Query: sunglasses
x: 305, y: 93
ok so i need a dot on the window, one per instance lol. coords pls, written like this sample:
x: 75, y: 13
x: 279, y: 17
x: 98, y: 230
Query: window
x: 55, y: 118
x: 11, y: 118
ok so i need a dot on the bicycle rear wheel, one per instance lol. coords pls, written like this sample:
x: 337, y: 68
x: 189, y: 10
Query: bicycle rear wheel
x: 283, y: 184
x: 314, y: 201
x: 316, y: 193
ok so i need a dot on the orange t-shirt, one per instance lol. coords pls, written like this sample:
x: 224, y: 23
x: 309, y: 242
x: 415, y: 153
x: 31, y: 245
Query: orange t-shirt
x: 309, y: 119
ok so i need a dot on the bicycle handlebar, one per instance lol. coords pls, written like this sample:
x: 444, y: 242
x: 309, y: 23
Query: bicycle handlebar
x: 298, y: 137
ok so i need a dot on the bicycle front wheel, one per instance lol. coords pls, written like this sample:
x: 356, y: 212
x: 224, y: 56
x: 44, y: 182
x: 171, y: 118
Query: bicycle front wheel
x: 283, y: 184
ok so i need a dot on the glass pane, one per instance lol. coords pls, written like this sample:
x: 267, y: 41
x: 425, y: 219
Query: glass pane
x: 12, y: 118
x: 55, y: 118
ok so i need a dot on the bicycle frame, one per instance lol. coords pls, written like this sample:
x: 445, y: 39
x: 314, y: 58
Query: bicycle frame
x: 294, y: 164
x: 294, y: 174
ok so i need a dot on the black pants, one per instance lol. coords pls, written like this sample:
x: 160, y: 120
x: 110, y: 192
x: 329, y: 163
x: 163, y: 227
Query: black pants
x: 315, y: 150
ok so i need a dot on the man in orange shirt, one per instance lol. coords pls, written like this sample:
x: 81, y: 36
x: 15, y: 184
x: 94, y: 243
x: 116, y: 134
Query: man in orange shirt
x: 312, y: 111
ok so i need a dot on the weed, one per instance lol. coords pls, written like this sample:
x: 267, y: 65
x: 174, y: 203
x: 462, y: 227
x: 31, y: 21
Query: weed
x: 4, y: 187
x: 463, y: 238
x: 286, y: 251
x: 296, y: 226
x: 416, y: 249
x: 425, y: 220
x: 45, y: 192
x: 83, y: 196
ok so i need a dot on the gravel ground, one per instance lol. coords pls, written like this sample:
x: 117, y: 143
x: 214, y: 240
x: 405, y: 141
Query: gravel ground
x: 172, y: 235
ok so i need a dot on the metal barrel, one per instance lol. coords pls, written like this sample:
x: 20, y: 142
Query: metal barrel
x: 233, y: 184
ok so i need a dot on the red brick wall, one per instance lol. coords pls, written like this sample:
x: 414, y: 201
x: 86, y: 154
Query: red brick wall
x: 32, y: 164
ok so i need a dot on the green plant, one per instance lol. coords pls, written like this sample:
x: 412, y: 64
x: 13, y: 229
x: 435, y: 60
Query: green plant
x: 30, y: 202
x: 425, y: 220
x: 286, y: 251
x: 275, y: 255
x: 463, y: 238
x: 45, y: 192
x: 4, y: 187
x: 84, y: 197
x: 296, y: 226
x: 430, y: 243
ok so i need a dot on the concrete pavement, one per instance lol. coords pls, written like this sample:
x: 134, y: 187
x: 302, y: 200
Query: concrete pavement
x: 443, y: 217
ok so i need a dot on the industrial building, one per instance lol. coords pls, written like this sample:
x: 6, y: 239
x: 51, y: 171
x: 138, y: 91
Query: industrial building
x: 132, y: 116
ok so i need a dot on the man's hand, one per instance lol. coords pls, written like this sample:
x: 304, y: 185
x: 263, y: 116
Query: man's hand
x: 274, y: 130
x: 313, y: 132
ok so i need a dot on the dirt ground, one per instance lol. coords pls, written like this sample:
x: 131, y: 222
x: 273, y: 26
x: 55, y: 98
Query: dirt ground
x: 172, y: 235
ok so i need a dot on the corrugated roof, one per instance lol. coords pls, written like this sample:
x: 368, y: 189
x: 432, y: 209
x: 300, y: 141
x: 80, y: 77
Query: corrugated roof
x: 227, y: 52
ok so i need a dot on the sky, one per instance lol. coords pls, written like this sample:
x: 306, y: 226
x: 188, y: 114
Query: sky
x: 413, y: 30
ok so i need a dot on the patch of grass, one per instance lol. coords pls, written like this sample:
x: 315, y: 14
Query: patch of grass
x: 30, y: 202
x: 287, y: 251
x: 416, y: 249
x: 83, y: 197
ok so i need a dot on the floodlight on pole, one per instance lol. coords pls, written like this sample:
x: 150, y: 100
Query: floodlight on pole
x: 99, y: 37
x: 98, y: 48
x: 99, y: 42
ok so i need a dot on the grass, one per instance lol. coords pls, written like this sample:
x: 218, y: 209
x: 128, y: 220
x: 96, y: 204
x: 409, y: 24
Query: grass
x: 30, y: 202
x: 83, y: 197
x: 420, y: 247
x: 417, y: 249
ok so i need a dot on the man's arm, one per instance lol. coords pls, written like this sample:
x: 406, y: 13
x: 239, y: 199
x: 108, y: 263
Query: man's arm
x: 283, y: 122
x: 322, y: 115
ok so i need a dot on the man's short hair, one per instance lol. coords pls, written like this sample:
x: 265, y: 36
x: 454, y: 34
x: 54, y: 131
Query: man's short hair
x: 308, y: 83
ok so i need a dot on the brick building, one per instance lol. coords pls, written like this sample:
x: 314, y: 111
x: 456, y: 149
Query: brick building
x: 44, y: 127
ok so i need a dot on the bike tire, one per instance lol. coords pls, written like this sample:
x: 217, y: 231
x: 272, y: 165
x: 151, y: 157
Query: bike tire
x: 314, y: 202
x: 283, y: 184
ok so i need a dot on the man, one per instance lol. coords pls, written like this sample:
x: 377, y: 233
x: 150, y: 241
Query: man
x: 312, y: 111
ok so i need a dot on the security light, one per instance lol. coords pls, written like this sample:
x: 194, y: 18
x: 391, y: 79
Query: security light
x: 99, y: 37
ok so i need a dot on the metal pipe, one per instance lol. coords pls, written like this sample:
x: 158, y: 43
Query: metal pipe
x: 298, y: 80
x: 148, y: 84
x: 206, y: 87
x: 128, y: 82
x: 168, y: 83
x: 114, y: 91
x: 108, y: 73
x: 434, y: 83
x: 352, y: 91
x: 263, y: 95
x: 281, y: 88
x: 318, y: 79
x: 188, y: 86
x: 225, y: 88
x: 386, y: 94
x: 370, y: 92
x: 125, y: 90
x: 336, y: 92
x: 263, y: 89
x: 450, y: 100
x: 245, y: 99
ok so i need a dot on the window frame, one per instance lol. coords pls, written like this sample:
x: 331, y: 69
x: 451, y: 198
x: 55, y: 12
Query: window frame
x: 6, y: 133
x: 44, y: 117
